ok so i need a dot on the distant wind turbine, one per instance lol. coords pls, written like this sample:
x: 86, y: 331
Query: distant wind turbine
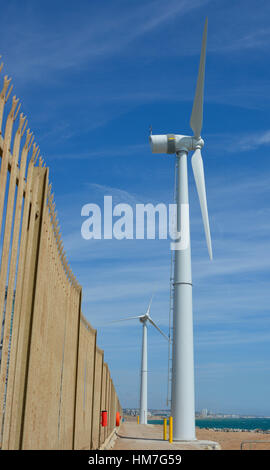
x: 143, y: 391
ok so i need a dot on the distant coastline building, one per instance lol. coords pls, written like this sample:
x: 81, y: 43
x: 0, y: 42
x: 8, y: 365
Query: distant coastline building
x: 204, y: 413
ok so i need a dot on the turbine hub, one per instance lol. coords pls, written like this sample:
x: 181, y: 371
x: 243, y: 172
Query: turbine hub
x: 198, y: 143
x: 144, y: 318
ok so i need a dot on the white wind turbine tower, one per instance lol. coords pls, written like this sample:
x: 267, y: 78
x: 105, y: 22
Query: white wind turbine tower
x: 182, y: 399
x: 143, y: 389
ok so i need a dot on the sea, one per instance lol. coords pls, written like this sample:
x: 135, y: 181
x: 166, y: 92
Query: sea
x: 247, y: 424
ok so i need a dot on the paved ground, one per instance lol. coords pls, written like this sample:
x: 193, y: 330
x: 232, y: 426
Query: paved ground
x: 138, y: 437
x: 133, y: 436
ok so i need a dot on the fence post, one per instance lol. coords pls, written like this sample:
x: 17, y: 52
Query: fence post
x: 9, y: 307
x: 26, y: 290
x: 93, y: 391
x: 77, y: 361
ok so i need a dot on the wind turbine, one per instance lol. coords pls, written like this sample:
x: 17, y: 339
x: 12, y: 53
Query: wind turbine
x: 143, y: 390
x: 182, y: 398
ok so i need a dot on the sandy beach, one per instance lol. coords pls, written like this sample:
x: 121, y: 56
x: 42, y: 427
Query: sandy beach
x: 232, y: 440
x: 134, y: 436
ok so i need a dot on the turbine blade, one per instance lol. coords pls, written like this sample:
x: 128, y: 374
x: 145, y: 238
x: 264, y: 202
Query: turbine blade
x: 196, y: 119
x: 198, y: 171
x: 149, y: 306
x: 124, y: 319
x: 161, y: 332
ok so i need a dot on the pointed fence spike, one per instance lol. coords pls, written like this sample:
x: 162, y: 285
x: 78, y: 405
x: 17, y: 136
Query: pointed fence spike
x: 5, y: 86
x: 8, y: 93
x: 16, y: 114
x: 31, y: 142
x: 27, y: 138
x: 21, y: 123
x: 23, y: 130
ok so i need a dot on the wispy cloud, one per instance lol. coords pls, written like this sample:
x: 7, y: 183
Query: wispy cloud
x: 216, y: 370
x: 260, y: 38
x: 105, y: 152
x: 253, y: 141
x: 37, y: 50
x: 241, y: 142
x: 232, y: 338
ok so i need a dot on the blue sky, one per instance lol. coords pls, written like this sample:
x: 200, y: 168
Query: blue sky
x: 92, y: 77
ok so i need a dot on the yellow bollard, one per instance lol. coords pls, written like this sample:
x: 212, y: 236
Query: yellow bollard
x: 138, y: 419
x: 171, y: 429
x: 165, y: 429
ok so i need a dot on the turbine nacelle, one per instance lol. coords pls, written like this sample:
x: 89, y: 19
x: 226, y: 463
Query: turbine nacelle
x: 174, y: 143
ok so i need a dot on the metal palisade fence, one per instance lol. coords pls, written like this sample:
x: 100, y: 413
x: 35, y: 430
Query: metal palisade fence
x: 53, y: 379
